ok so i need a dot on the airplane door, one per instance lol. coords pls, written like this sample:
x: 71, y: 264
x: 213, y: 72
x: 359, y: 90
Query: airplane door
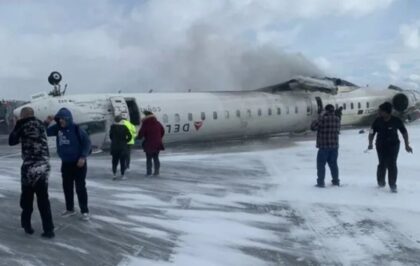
x: 119, y: 107
x: 319, y: 104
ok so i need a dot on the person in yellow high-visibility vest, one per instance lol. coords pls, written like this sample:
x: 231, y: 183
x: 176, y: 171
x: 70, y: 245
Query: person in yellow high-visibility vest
x: 133, y: 132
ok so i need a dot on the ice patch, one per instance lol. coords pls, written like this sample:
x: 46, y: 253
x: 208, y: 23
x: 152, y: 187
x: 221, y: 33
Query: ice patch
x: 5, y: 249
x: 111, y: 220
x: 118, y: 187
x: 71, y: 247
x: 152, y: 232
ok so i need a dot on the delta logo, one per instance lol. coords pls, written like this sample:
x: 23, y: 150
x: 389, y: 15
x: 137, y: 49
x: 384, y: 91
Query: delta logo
x: 198, y: 125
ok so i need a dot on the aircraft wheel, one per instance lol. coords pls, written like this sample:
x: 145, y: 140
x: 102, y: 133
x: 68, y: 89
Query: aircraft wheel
x: 54, y: 78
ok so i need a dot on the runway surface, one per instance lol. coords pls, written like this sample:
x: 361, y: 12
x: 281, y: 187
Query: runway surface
x: 251, y: 203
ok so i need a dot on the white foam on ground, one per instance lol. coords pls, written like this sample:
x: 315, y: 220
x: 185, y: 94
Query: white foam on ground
x: 210, y: 238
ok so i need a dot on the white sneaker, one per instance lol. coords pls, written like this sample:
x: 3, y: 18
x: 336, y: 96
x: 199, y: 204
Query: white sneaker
x: 68, y: 213
x: 123, y: 177
x: 85, y: 216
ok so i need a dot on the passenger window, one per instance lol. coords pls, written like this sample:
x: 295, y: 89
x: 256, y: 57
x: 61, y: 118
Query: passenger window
x: 203, y: 116
x: 270, y: 112
x: 227, y: 114
x: 177, y: 118
x: 190, y: 117
x: 287, y: 110
x: 259, y: 112
x: 278, y: 111
x: 165, y: 118
x: 238, y: 113
x: 352, y: 106
x: 215, y: 115
x: 367, y: 105
x: 296, y: 109
x: 344, y: 106
x: 359, y: 105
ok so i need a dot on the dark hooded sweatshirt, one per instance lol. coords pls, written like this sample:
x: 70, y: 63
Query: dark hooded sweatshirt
x: 71, y: 145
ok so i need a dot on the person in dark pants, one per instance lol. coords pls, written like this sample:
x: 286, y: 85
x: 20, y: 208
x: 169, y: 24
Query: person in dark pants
x: 328, y: 130
x: 120, y: 136
x: 386, y: 126
x: 152, y: 131
x: 73, y: 147
x: 34, y: 171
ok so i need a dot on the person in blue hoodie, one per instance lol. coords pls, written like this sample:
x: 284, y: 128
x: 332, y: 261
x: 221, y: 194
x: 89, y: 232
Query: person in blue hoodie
x: 73, y: 147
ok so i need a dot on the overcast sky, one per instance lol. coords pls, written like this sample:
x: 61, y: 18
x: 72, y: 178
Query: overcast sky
x: 134, y: 46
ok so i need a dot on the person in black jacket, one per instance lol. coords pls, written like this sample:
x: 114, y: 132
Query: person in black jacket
x: 388, y: 144
x: 120, y: 136
x: 34, y: 171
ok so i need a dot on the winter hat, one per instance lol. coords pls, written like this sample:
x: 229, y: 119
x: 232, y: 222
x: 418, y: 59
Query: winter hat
x: 386, y: 107
x: 329, y: 108
x: 118, y: 119
x: 146, y: 113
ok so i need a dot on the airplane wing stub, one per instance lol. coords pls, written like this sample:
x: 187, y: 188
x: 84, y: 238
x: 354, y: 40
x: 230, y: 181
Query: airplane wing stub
x: 311, y: 84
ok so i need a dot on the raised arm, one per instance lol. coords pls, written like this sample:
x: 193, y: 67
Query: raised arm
x: 14, y: 137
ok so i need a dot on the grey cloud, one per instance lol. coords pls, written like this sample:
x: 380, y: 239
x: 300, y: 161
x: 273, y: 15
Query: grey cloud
x: 164, y: 45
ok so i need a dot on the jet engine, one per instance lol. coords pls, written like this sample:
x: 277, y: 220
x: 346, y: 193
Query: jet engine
x: 401, y: 102
x: 406, y: 103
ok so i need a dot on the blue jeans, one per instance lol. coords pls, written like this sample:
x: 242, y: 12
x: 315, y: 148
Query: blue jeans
x: 329, y: 156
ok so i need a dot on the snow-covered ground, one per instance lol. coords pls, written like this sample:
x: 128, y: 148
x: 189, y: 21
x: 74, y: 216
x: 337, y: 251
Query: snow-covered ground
x: 249, y: 204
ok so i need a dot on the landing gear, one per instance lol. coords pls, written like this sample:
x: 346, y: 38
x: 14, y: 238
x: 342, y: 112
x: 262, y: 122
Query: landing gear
x: 54, y: 79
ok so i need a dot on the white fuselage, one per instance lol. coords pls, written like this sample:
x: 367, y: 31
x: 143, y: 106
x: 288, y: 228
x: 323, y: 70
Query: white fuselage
x: 214, y: 115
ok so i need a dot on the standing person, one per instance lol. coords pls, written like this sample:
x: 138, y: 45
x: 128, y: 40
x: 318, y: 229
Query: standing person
x: 34, y: 171
x: 328, y: 129
x: 339, y: 112
x: 120, y: 136
x: 388, y: 144
x: 152, y: 131
x: 73, y: 147
x: 133, y: 132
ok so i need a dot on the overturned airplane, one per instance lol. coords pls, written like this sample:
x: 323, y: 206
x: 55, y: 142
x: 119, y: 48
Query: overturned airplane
x: 203, y: 116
